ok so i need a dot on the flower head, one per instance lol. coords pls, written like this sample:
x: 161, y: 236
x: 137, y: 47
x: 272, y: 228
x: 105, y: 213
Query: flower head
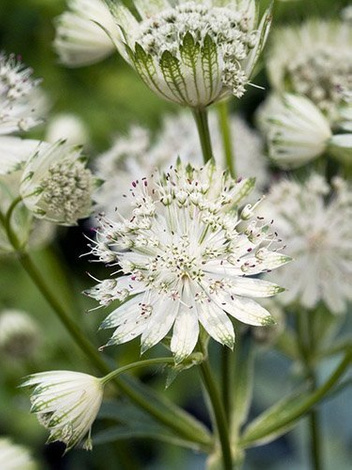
x: 19, y: 334
x: 187, y: 254
x: 296, y: 130
x: 56, y: 185
x: 17, y: 96
x: 15, y: 457
x: 137, y: 155
x: 67, y: 404
x: 314, y: 60
x: 190, y: 53
x: 318, y: 232
x: 79, y: 40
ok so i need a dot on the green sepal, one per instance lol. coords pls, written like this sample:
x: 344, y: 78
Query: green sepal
x: 171, y: 70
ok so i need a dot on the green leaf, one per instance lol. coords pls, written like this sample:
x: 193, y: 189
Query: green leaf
x: 171, y: 70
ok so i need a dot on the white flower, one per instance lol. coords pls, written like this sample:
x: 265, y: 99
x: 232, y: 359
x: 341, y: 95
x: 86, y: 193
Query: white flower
x: 55, y: 184
x: 137, y: 155
x: 79, y: 40
x: 69, y: 127
x: 318, y: 233
x: 187, y: 255
x: 189, y: 52
x: 19, y: 334
x: 67, y: 404
x: 296, y: 130
x: 14, y: 151
x: 17, y: 96
x: 315, y: 60
x: 15, y: 457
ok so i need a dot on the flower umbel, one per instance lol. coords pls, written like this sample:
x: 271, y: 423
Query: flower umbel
x: 56, y: 185
x: 318, y: 233
x: 186, y: 255
x: 67, y: 404
x: 17, y: 90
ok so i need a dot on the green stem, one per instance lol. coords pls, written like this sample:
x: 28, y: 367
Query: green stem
x: 311, y: 401
x: 305, y: 331
x: 219, y: 413
x: 201, y: 117
x: 225, y: 128
x: 226, y: 379
x: 136, y: 365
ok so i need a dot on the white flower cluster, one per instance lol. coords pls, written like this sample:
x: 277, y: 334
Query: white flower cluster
x: 189, y: 53
x: 187, y: 255
x: 17, y: 90
x: 316, y: 226
x: 314, y: 60
x: 66, y: 403
x: 19, y: 334
x: 137, y: 155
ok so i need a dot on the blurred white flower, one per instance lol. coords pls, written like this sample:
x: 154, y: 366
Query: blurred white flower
x: 17, y: 96
x: 19, y: 334
x: 187, y: 254
x: 316, y: 226
x: 186, y: 52
x: 67, y: 404
x: 296, y: 130
x: 69, y: 127
x: 138, y: 154
x: 14, y: 456
x: 79, y: 40
x: 314, y: 59
x: 346, y: 13
x: 56, y: 186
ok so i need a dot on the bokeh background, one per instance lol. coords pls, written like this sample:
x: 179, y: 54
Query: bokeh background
x: 109, y: 97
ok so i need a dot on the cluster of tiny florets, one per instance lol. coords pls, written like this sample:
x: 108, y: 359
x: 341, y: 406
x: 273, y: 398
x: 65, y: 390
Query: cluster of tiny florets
x: 322, y: 75
x: 67, y: 190
x: 228, y: 29
x: 16, y: 87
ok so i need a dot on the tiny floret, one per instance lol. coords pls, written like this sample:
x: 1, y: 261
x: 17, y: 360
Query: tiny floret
x: 56, y: 185
x: 67, y: 404
x: 187, y: 258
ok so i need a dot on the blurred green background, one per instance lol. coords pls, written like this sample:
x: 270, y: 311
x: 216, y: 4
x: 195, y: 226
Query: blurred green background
x: 109, y: 97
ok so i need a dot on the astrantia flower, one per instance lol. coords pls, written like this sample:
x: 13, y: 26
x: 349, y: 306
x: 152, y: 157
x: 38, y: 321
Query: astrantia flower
x: 15, y: 457
x: 17, y: 96
x: 19, y: 334
x: 188, y: 52
x: 67, y: 404
x: 318, y: 232
x: 187, y: 255
x: 69, y: 127
x: 314, y: 60
x: 56, y: 185
x: 79, y: 40
x: 136, y: 155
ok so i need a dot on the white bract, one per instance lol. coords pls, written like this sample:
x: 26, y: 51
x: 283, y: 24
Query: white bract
x: 296, y: 130
x: 17, y: 96
x: 79, y: 40
x: 67, y: 404
x: 14, y: 456
x: 137, y: 155
x: 316, y: 225
x: 19, y: 334
x: 187, y: 255
x: 315, y: 60
x: 190, y: 53
x: 55, y: 184
x: 69, y: 127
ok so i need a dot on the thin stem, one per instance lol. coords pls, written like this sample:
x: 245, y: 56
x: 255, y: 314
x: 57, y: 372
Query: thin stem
x: 226, y: 380
x: 312, y: 400
x: 137, y: 365
x: 225, y: 128
x: 219, y: 413
x: 201, y: 118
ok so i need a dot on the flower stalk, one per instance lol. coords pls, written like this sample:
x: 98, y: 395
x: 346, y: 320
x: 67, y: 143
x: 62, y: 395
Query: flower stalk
x: 201, y: 119
x: 225, y: 129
